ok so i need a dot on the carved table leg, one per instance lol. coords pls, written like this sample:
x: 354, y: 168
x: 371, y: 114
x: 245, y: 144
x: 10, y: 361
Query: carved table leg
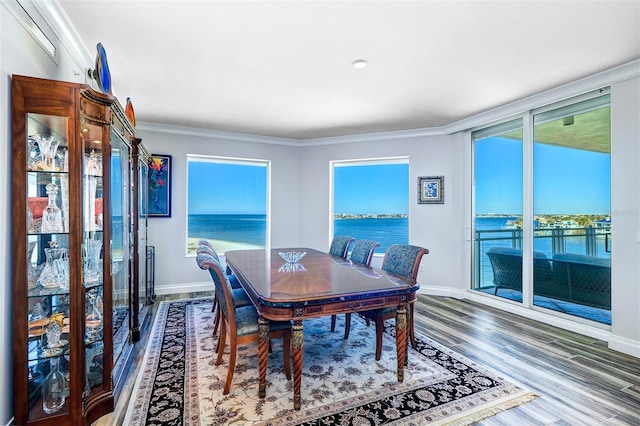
x: 263, y: 354
x: 297, y: 343
x: 401, y: 340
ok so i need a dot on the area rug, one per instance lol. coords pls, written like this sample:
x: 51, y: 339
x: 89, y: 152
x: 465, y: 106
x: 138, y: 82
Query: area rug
x: 179, y: 383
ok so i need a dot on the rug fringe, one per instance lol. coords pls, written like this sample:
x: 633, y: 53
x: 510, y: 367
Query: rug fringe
x: 492, y: 411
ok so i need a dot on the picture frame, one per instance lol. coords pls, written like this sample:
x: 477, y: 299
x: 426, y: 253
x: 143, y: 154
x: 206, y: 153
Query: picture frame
x: 159, y: 185
x: 431, y: 190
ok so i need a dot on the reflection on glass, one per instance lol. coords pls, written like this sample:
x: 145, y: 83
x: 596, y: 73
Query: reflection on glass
x: 498, y: 209
x: 121, y: 231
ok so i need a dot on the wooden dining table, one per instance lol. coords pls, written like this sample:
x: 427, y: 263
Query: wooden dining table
x: 318, y: 285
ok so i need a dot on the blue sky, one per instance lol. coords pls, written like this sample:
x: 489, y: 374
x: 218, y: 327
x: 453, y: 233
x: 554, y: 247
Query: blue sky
x: 566, y: 181
x: 371, y: 189
x: 240, y: 189
x: 227, y: 188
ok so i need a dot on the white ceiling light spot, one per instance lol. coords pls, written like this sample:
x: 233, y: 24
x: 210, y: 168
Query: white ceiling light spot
x: 359, y: 64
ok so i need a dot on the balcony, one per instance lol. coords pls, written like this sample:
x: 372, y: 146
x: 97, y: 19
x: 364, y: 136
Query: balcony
x: 571, y: 268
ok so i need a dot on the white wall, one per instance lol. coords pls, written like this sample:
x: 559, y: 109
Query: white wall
x: 433, y: 226
x: 176, y: 272
x: 625, y: 216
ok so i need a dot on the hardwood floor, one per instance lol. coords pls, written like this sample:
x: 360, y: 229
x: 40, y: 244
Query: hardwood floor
x: 579, y: 381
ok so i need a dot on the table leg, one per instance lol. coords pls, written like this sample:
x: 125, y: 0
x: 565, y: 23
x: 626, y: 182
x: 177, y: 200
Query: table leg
x: 297, y: 343
x: 401, y: 340
x: 263, y: 354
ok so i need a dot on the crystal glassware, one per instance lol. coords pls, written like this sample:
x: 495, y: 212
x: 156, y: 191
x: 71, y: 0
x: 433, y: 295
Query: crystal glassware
x: 92, y: 263
x: 48, y: 147
x: 94, y: 315
x: 52, y: 215
x: 292, y: 256
x: 56, y: 268
x: 53, y: 388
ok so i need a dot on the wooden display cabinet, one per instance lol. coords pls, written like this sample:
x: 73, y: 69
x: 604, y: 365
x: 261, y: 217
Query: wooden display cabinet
x: 73, y: 251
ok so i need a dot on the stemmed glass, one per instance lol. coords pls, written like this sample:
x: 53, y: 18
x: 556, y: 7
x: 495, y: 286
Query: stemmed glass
x: 48, y: 147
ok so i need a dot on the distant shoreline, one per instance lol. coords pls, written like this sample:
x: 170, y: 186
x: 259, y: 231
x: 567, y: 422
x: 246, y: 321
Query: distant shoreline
x: 370, y: 216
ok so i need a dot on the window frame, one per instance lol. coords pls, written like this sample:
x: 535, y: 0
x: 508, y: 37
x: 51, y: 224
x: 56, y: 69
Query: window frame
x: 364, y: 162
x: 254, y: 162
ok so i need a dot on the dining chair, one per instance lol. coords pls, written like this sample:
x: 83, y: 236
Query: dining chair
x: 362, y: 253
x: 403, y: 260
x: 241, y: 297
x: 240, y: 322
x: 340, y: 245
x: 206, y: 245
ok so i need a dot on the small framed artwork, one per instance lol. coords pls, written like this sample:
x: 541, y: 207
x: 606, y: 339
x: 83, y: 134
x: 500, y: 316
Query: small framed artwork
x: 159, y: 185
x: 431, y: 190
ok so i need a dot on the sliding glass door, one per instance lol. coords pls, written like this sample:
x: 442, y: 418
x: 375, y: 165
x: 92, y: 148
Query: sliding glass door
x: 571, y: 205
x: 555, y: 172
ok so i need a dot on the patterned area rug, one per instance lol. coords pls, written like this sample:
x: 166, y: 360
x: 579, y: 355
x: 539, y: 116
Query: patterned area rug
x: 179, y: 384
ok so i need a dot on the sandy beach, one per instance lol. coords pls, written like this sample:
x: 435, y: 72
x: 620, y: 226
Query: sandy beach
x: 221, y: 246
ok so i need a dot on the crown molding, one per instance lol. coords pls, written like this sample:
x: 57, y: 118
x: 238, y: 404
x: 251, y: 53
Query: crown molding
x: 214, y: 134
x: 369, y: 137
x: 578, y: 87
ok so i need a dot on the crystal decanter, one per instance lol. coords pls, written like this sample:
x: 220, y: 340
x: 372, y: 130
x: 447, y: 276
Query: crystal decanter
x: 56, y: 268
x: 53, y: 388
x: 52, y: 215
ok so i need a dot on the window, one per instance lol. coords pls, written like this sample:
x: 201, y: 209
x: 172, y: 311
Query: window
x: 371, y: 200
x: 226, y: 202
x: 545, y: 186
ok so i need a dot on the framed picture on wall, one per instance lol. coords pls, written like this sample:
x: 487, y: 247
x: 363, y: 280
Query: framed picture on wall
x: 160, y: 185
x: 431, y: 190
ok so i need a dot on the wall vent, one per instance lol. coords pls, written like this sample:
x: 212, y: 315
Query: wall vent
x: 34, y: 29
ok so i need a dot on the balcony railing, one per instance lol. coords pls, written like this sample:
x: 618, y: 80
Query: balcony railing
x: 593, y: 242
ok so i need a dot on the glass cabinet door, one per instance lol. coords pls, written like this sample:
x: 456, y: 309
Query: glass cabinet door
x: 120, y: 246
x: 143, y: 185
x: 93, y: 245
x: 47, y: 267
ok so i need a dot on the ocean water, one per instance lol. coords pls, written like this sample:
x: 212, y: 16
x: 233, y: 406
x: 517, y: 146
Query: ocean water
x: 251, y: 229
x: 242, y: 228
x: 388, y: 230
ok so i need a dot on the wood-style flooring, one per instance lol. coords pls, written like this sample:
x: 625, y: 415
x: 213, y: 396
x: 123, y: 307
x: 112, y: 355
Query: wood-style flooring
x: 578, y: 379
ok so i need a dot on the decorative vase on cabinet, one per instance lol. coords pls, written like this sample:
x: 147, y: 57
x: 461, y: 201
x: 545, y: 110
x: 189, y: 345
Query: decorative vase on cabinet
x: 72, y: 288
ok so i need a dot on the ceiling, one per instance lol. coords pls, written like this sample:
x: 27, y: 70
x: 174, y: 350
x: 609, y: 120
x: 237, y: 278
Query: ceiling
x: 284, y: 68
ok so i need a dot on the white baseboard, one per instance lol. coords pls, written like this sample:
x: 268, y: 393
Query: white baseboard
x: 184, y: 288
x: 443, y: 292
x: 624, y: 345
